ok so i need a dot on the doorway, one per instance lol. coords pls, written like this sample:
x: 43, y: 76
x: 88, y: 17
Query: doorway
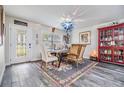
x: 20, y: 44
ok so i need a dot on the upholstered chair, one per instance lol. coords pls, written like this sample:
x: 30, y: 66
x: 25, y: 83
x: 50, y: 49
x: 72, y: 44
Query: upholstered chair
x: 46, y: 56
x: 75, y: 53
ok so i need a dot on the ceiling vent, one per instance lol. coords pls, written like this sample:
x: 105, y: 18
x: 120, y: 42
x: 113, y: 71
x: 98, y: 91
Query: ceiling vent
x: 17, y: 22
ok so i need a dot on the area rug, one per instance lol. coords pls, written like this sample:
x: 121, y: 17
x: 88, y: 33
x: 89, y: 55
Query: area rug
x: 67, y: 73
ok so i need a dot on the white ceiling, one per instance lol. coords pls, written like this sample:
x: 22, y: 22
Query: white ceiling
x: 51, y: 15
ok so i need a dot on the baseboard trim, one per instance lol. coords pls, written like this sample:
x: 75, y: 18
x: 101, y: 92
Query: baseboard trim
x: 8, y: 64
x: 23, y: 62
x: 37, y: 59
x: 1, y: 77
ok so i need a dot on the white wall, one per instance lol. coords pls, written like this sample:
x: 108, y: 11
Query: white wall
x: 2, y: 57
x: 36, y: 29
x: 94, y: 36
x: 94, y: 32
x: 2, y: 64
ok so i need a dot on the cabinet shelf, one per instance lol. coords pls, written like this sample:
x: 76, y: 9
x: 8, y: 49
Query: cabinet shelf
x: 116, y: 34
x: 118, y: 47
x: 105, y: 54
x: 105, y: 47
x: 119, y: 55
x: 120, y: 40
x: 105, y: 40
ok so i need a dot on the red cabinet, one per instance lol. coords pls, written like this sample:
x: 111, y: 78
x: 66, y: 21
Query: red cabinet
x: 111, y: 44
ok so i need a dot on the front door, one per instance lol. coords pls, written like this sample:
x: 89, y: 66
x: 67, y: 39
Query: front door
x: 20, y: 42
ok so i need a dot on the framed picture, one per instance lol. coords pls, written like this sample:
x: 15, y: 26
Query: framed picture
x: 85, y: 37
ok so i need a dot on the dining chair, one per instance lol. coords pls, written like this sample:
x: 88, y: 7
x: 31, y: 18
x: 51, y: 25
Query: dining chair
x: 75, y: 53
x: 46, y: 56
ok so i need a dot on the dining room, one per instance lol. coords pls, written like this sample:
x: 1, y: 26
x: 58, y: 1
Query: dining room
x: 62, y: 48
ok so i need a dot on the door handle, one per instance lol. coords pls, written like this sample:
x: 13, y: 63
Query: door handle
x: 29, y: 45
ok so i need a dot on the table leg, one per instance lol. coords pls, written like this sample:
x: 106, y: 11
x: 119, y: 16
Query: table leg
x: 60, y: 60
x: 59, y: 64
x: 52, y: 63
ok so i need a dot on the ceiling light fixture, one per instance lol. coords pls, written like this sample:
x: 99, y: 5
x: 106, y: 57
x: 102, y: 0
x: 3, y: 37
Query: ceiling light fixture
x: 67, y: 25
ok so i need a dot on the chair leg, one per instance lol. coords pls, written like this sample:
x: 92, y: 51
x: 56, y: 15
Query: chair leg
x: 59, y: 64
x: 41, y: 64
x: 46, y: 66
x: 53, y: 63
x: 77, y: 65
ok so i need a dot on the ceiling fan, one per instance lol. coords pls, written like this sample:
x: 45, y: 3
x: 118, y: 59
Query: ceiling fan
x: 72, y: 18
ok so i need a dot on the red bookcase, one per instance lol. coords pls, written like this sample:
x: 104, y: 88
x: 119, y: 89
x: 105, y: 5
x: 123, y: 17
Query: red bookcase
x: 111, y: 44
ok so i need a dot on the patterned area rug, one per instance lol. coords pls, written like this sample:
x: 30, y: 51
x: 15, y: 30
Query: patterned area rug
x: 67, y: 73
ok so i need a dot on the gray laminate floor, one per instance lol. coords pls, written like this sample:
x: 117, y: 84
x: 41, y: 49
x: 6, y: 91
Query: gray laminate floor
x: 27, y: 75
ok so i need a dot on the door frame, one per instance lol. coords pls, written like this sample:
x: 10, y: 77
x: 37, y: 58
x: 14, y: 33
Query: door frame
x: 11, y: 28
